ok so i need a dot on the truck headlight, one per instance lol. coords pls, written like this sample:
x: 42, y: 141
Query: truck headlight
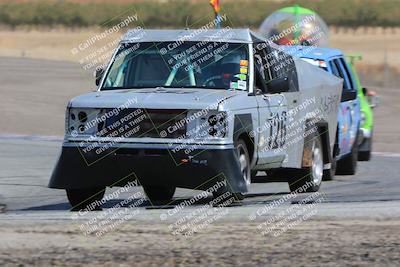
x: 82, y: 116
x: 218, y: 125
x: 210, y: 125
x: 212, y: 120
x: 81, y: 121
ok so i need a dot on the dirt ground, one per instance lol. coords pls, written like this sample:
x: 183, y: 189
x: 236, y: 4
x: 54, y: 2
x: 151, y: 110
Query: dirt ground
x: 366, y: 242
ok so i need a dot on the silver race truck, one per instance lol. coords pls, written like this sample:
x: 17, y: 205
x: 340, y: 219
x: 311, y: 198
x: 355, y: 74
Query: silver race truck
x: 198, y: 109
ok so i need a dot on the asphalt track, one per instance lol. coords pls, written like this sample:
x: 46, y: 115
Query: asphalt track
x: 26, y: 164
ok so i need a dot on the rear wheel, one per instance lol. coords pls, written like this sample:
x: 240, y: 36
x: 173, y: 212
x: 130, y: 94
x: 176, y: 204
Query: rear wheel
x: 364, y: 155
x: 348, y: 165
x: 85, y: 198
x: 364, y: 150
x: 329, y: 174
x: 159, y: 194
x: 309, y: 178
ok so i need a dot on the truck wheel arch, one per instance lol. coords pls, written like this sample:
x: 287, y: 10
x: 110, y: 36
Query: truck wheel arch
x: 243, y: 129
x: 323, y: 132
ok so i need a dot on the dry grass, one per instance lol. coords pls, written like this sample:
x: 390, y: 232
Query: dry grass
x: 57, y: 44
x: 372, y: 45
x: 45, y: 44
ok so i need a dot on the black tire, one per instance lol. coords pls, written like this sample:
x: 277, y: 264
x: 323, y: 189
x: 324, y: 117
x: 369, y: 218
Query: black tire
x: 159, y: 194
x: 243, y: 154
x: 329, y: 174
x: 364, y: 155
x: 85, y: 198
x: 348, y: 164
x: 309, y: 178
x: 244, y: 162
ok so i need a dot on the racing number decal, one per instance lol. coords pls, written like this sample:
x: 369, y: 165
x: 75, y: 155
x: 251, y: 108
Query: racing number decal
x: 277, y: 130
x: 282, y: 129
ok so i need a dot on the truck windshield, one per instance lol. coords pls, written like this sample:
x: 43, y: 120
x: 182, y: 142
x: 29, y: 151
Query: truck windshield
x: 213, y: 65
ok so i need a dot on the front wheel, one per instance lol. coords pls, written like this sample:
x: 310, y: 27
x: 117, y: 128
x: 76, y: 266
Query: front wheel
x: 87, y: 198
x: 244, y: 164
x: 310, y: 178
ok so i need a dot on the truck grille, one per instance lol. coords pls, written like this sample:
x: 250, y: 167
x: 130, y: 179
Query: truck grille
x: 139, y: 123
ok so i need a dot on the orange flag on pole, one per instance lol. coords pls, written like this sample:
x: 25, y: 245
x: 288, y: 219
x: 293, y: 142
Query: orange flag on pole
x: 215, y: 5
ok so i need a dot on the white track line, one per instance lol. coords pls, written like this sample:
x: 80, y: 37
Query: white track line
x: 387, y: 154
x: 31, y: 137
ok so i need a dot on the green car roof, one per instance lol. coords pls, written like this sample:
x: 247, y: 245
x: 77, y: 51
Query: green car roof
x: 297, y: 10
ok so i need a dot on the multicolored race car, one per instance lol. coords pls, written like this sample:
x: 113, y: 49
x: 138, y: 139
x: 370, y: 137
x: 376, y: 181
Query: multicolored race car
x: 349, y: 117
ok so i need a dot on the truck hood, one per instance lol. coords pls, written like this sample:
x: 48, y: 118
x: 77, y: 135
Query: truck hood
x: 156, y: 98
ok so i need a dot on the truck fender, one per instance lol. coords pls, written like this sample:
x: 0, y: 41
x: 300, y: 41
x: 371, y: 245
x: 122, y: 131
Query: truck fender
x: 243, y: 129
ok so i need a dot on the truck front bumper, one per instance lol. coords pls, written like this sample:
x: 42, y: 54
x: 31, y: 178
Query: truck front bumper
x: 149, y: 164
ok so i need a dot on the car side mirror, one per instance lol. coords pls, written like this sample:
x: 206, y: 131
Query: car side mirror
x: 348, y: 95
x: 365, y: 91
x: 371, y: 96
x: 374, y: 101
x: 98, y: 75
x: 279, y: 85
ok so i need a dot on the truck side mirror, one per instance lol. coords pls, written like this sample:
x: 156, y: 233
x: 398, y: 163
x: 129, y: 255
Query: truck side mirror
x: 279, y: 85
x: 98, y: 75
x: 348, y: 95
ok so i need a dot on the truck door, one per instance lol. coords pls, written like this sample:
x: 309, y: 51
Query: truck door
x: 272, y: 109
x: 283, y: 65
